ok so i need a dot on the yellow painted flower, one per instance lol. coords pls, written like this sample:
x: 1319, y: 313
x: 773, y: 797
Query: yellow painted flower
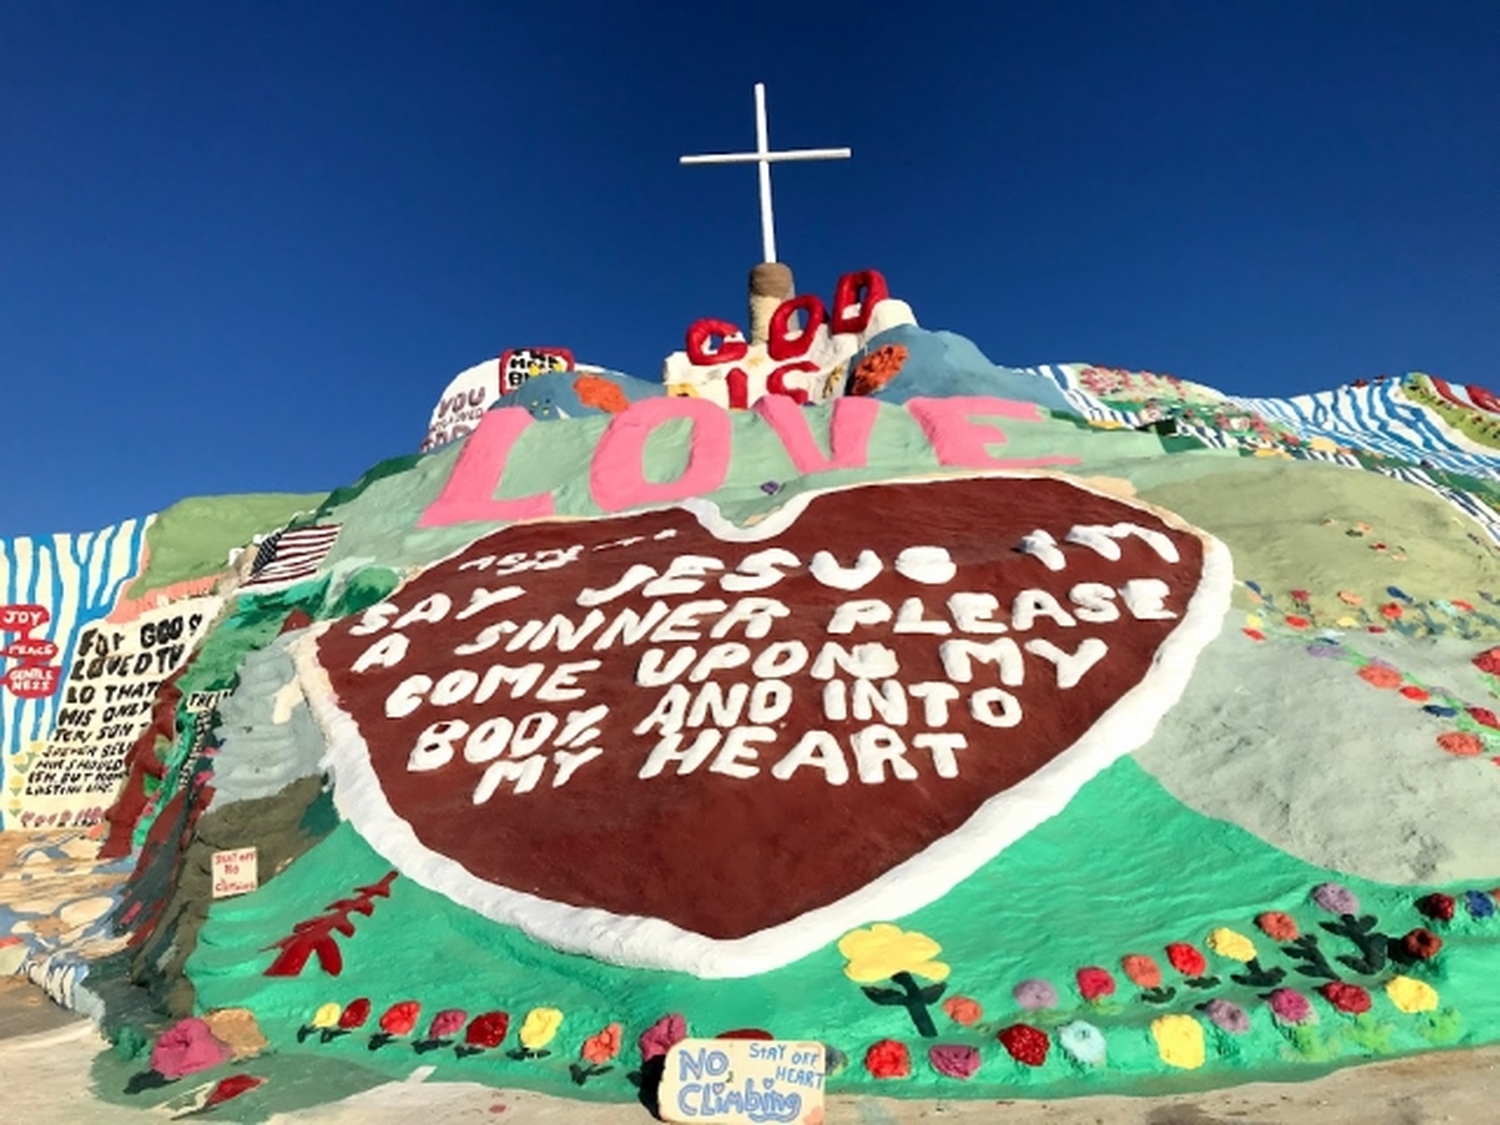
x: 327, y: 1016
x: 1253, y: 621
x: 884, y: 950
x: 1411, y: 995
x: 539, y: 1026
x: 1346, y: 622
x: 1227, y: 943
x: 1179, y: 1041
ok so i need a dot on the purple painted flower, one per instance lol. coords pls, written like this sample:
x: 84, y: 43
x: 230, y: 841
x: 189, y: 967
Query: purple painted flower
x: 660, y: 1037
x: 447, y: 1022
x: 954, y: 1060
x: 1035, y: 994
x: 1336, y: 898
x: 1289, y: 1006
x: 1324, y: 650
x: 1227, y: 1017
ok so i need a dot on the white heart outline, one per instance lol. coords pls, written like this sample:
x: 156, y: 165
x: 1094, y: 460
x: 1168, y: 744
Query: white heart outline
x: 642, y: 942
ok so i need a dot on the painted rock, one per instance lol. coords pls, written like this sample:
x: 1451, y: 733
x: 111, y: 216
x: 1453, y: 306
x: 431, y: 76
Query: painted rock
x: 664, y: 740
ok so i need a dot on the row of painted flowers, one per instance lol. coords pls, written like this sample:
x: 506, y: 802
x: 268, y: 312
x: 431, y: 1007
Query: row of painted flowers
x: 1476, y: 728
x: 884, y: 952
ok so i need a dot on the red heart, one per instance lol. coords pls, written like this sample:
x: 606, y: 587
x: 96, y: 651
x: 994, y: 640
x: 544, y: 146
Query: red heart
x: 737, y: 852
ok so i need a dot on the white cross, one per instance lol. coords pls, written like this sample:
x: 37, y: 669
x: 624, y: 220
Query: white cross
x: 764, y: 157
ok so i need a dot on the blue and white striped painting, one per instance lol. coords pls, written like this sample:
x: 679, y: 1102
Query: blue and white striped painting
x: 77, y: 578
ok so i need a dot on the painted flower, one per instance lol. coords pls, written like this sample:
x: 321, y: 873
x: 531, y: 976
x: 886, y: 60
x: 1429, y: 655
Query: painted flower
x: 1324, y: 650
x: 1026, y: 1044
x: 1349, y: 597
x: 603, y: 1045
x: 660, y: 1037
x: 1179, y: 1041
x: 1277, y: 925
x: 355, y: 1014
x: 1488, y: 661
x: 1301, y: 596
x: 1479, y: 904
x: 1227, y: 943
x: 963, y: 1010
x: 446, y: 1023
x: 888, y: 1059
x: 954, y: 1060
x: 1349, y: 998
x: 1416, y: 694
x: 1335, y: 898
x: 1227, y: 1016
x: 538, y: 1028
x: 327, y: 1016
x: 1411, y: 995
x: 1142, y: 970
x: 1296, y: 621
x: 884, y: 950
x: 1186, y: 960
x: 1438, y: 907
x: 1291, y: 1007
x: 487, y: 1030
x: 1485, y: 717
x: 1035, y: 995
x: 400, y: 1018
x: 1462, y: 606
x: 1461, y: 744
x: 1380, y: 675
x: 1095, y: 983
x: 1390, y: 611
x: 1254, y: 634
x: 1422, y: 944
x: 1082, y: 1042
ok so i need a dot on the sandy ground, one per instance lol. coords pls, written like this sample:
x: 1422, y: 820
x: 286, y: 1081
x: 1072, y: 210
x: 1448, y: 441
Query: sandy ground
x: 47, y: 1056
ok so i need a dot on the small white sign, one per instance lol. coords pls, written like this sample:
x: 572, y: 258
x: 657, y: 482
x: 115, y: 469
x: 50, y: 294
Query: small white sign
x: 743, y: 1080
x: 235, y: 872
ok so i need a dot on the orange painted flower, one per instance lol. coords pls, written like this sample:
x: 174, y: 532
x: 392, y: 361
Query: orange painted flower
x: 963, y: 1010
x: 1277, y: 926
x: 1142, y: 970
x: 600, y: 393
x: 878, y: 368
x: 1391, y: 610
x: 1380, y: 675
x: 1297, y: 622
x: 1461, y: 744
x: 603, y: 1046
x: 1349, y: 597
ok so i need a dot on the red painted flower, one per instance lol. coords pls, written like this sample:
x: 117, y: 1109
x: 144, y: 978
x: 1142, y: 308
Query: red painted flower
x: 1380, y: 675
x: 1254, y: 634
x: 487, y: 1030
x: 1416, y: 694
x: 1485, y: 717
x: 888, y: 1059
x: 1391, y: 610
x: 1301, y: 596
x: 1488, y: 661
x: 1422, y: 944
x: 1437, y: 906
x: 1142, y: 970
x: 1346, y: 997
x: 1457, y: 603
x: 1377, y: 629
x: 355, y: 1014
x: 1026, y: 1044
x: 1277, y: 926
x: 1095, y: 983
x: 1460, y: 743
x: 1186, y: 960
x: 400, y: 1018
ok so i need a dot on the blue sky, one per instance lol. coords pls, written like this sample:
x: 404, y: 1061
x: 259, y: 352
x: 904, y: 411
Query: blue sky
x: 244, y: 247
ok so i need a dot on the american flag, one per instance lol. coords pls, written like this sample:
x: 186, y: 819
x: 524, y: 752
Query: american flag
x: 290, y: 556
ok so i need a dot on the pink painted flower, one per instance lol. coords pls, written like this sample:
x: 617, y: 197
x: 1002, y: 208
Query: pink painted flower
x: 660, y: 1037
x: 954, y: 1060
x: 1289, y: 1006
x: 446, y: 1023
